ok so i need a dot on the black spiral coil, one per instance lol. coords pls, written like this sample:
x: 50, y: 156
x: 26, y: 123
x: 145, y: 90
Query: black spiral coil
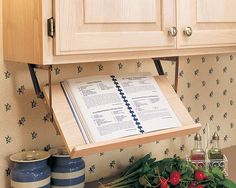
x: 127, y: 104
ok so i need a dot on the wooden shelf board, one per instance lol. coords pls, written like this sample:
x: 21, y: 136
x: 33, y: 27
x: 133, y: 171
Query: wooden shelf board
x: 75, y: 143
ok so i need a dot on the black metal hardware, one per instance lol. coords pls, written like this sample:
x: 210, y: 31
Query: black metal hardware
x: 159, y: 67
x: 157, y: 62
x: 51, y: 27
x: 37, y: 89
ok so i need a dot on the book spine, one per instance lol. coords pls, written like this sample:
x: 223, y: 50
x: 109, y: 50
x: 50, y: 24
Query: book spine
x: 85, y: 137
x: 124, y: 98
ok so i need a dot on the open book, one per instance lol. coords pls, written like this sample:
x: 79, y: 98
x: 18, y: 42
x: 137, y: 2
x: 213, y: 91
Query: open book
x: 108, y: 107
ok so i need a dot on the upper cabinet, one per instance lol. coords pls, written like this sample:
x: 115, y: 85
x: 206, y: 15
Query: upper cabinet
x: 101, y: 26
x: 206, y: 23
x: 100, y: 30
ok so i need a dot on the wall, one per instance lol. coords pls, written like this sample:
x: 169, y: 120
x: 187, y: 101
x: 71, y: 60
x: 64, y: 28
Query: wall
x: 206, y: 87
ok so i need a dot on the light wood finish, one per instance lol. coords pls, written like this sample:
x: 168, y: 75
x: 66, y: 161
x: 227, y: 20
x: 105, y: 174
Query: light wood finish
x: 216, y: 11
x: 213, y: 23
x: 100, y: 11
x: 120, y: 25
x: 63, y: 117
x: 76, y: 145
x: 50, y: 59
x: 22, y: 31
x: 25, y: 32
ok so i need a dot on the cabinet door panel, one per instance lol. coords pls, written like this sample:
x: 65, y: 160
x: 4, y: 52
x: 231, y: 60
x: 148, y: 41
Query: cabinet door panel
x: 131, y: 11
x: 216, y: 11
x: 213, y: 23
x: 97, y: 26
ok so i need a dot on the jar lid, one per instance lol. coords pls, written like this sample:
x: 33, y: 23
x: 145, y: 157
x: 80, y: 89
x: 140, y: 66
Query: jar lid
x: 197, y: 137
x: 29, y: 156
x: 59, y: 152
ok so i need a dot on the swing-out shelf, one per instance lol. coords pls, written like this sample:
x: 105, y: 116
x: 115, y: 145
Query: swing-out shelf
x: 75, y: 143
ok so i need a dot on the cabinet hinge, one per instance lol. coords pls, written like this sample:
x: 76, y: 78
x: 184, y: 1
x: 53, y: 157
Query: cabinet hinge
x: 51, y: 27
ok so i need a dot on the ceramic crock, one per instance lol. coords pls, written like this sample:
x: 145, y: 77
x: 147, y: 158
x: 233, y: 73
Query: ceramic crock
x: 66, y: 172
x: 30, y: 169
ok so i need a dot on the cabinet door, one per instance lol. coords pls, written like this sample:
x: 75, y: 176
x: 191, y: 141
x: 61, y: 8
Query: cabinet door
x: 213, y: 23
x: 98, y: 26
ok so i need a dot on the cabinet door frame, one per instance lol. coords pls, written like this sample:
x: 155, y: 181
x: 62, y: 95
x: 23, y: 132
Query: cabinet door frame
x: 209, y: 28
x: 139, y: 37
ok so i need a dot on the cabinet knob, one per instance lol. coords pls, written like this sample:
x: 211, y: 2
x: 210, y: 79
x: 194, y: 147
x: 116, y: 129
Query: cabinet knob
x: 173, y: 31
x: 188, y: 31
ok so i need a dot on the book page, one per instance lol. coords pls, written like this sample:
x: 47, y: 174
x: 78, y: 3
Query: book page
x: 148, y: 102
x: 101, y: 108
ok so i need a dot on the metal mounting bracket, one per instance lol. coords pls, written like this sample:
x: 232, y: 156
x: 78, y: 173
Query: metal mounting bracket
x: 37, y: 88
x: 157, y: 62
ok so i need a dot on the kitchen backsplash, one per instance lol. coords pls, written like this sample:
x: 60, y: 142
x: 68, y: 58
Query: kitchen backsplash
x: 207, y: 87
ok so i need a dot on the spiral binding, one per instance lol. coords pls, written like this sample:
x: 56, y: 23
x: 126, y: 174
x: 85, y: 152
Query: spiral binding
x: 127, y: 104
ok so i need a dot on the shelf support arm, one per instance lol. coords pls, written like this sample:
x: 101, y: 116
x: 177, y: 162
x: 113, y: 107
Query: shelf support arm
x: 50, y: 92
x: 158, y: 65
x: 35, y: 82
x: 37, y: 88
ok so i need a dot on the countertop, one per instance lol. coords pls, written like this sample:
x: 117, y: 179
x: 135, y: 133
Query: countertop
x: 229, y: 152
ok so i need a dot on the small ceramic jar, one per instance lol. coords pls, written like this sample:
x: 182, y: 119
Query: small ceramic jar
x: 66, y: 172
x: 30, y: 169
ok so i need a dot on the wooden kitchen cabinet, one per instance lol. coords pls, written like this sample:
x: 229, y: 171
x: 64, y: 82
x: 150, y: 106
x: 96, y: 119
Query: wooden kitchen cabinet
x: 71, y: 31
x: 86, y: 30
x: 101, y: 26
x: 102, y: 30
x: 213, y: 23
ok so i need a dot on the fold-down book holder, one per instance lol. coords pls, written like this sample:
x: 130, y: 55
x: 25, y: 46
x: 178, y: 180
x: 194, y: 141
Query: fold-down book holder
x: 74, y: 139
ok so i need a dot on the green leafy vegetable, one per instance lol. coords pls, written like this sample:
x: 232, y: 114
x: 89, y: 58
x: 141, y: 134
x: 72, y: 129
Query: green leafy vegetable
x: 173, y: 172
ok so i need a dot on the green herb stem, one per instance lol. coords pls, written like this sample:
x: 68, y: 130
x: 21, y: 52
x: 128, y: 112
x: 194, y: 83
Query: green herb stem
x: 126, y: 177
x: 136, y: 165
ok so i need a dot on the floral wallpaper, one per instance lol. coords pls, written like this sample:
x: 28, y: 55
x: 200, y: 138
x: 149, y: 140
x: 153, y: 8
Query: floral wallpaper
x: 207, y: 87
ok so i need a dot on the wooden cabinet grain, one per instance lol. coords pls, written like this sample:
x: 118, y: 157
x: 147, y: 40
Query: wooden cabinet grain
x: 101, y: 26
x: 213, y: 23
x: 101, y: 30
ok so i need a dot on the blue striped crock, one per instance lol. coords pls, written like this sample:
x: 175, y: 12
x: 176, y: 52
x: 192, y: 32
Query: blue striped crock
x: 66, y: 172
x: 30, y: 170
